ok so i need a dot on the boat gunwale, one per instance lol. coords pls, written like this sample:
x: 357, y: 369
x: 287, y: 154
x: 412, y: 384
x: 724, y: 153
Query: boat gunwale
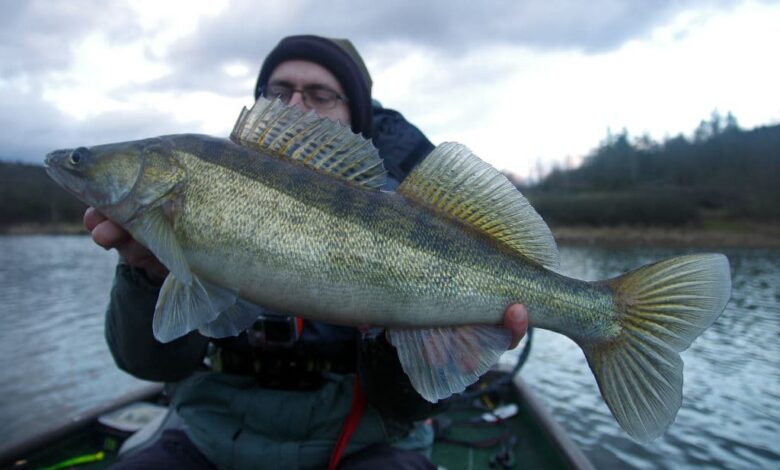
x: 20, y: 448
x: 570, y: 453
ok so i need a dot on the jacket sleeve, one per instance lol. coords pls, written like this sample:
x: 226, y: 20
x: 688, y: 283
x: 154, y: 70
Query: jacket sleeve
x: 129, y: 332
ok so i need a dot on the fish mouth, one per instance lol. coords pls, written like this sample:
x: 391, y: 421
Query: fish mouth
x: 55, y: 164
x: 52, y: 162
x: 48, y: 161
x: 56, y: 158
x: 57, y: 161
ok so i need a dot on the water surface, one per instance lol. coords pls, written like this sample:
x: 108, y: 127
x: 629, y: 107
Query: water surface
x: 730, y: 416
x: 53, y: 293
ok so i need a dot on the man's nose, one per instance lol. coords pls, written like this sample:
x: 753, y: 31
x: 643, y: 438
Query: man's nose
x: 296, y: 99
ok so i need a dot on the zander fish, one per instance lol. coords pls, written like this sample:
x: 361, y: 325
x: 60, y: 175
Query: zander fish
x: 288, y: 214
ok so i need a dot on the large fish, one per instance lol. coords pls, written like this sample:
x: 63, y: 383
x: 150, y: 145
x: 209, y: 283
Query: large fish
x: 288, y: 214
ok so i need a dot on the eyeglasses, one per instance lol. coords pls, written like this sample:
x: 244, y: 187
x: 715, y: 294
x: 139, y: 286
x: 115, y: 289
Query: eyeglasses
x: 315, y: 97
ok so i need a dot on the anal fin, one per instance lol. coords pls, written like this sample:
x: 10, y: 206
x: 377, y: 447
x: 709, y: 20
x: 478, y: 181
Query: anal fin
x: 443, y: 361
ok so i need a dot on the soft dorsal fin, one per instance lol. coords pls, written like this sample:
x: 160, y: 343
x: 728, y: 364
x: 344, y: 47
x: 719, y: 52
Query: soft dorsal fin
x: 321, y: 144
x: 457, y: 183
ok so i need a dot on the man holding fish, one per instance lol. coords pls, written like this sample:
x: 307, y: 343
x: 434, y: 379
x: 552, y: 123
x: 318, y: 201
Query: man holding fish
x: 289, y: 214
x: 278, y: 394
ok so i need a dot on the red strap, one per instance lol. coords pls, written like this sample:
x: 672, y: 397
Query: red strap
x: 299, y: 324
x: 350, y: 424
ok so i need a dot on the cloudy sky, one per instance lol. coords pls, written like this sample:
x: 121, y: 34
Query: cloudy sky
x: 526, y: 84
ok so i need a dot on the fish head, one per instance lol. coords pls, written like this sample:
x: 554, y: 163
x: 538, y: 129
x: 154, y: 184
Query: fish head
x: 118, y: 179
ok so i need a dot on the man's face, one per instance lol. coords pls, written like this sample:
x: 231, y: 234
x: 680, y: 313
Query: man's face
x: 302, y: 74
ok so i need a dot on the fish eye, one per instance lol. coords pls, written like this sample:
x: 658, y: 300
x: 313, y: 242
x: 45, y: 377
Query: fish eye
x: 78, y: 155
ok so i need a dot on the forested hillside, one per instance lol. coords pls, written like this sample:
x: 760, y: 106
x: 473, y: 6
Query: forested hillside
x: 722, y: 173
x: 29, y: 196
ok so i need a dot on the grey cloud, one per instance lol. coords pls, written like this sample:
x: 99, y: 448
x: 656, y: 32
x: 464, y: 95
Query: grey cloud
x: 246, y: 32
x: 213, y: 80
x: 36, y: 38
x: 32, y: 127
x: 36, y: 35
x: 27, y: 126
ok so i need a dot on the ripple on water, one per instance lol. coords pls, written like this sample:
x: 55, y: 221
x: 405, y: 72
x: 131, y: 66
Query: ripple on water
x: 53, y: 292
x: 730, y: 417
x: 52, y: 300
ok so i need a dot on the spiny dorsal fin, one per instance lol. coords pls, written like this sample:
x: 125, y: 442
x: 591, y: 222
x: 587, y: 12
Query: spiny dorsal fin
x: 456, y: 182
x: 321, y: 144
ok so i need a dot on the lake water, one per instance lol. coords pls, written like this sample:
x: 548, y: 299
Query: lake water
x: 53, y: 292
x: 730, y: 416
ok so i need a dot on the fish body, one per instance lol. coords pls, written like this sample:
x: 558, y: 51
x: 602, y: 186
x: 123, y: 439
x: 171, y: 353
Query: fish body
x: 296, y: 241
x: 287, y: 215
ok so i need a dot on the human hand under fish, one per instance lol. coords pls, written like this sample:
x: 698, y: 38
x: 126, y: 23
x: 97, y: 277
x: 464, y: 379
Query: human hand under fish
x: 108, y: 234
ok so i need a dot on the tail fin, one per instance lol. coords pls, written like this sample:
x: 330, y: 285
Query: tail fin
x: 662, y: 308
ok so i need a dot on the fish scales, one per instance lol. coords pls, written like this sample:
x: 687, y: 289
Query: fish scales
x: 391, y: 257
x: 287, y: 215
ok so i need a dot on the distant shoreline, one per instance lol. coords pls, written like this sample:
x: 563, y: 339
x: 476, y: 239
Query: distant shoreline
x: 749, y: 235
x: 65, y: 228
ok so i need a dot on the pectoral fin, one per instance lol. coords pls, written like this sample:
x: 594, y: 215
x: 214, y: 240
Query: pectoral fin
x: 154, y: 231
x: 443, y: 361
x: 186, y: 302
x: 182, y: 308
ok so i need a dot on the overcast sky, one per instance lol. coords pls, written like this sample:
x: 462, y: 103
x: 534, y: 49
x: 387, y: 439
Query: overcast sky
x: 523, y: 83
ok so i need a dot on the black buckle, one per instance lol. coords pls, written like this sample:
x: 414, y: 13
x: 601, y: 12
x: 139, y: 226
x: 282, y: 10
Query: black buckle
x: 274, y: 332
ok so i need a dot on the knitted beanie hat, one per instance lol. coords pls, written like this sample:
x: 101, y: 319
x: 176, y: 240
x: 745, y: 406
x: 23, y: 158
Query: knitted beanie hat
x: 341, y: 58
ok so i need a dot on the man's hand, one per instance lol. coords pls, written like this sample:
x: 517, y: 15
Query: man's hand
x: 109, y: 235
x: 516, y: 320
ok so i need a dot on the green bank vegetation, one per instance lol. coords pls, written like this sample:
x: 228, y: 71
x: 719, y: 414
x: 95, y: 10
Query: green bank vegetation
x: 723, y: 178
x: 30, y: 202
